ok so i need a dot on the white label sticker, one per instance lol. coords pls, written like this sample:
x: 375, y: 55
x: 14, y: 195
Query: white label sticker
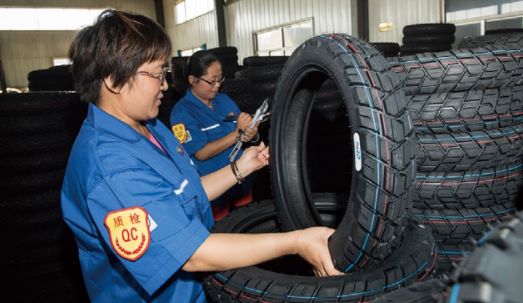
x: 357, y: 151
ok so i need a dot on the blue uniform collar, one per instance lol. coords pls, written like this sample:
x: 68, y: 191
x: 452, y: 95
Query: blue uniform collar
x: 197, y: 102
x: 217, y: 115
x: 110, y: 124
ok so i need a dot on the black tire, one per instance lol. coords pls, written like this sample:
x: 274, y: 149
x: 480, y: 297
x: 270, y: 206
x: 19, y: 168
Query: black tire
x: 428, y: 39
x: 328, y: 167
x: 431, y: 291
x: 503, y: 31
x: 229, y: 60
x: 57, y: 72
x: 255, y: 61
x: 266, y: 88
x: 44, y: 161
x: 387, y: 47
x: 459, y: 112
x: 460, y: 70
x: 469, y: 189
x: 30, y: 202
x: 41, y: 104
x: 241, y: 90
x: 261, y: 73
x: 29, y: 183
x: 412, y: 260
x: 37, y: 124
x: 58, y: 282
x: 429, y: 29
x: 26, y: 242
x: 509, y: 38
x: 494, y: 270
x: 224, y: 50
x: 454, y: 226
x: 469, y: 151
x: 35, y: 144
x: 55, y: 78
x: 375, y: 217
x: 330, y: 107
x: 51, y: 86
x: 410, y: 49
x: 451, y: 255
x: 229, y: 71
x: 43, y: 219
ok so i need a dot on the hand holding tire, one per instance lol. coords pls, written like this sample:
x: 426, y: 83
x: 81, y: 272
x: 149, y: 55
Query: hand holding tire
x: 312, y: 245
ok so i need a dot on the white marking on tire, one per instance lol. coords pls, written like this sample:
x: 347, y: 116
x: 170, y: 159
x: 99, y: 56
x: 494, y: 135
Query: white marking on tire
x: 357, y: 151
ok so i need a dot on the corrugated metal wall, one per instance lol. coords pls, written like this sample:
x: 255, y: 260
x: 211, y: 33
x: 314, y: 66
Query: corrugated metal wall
x: 24, y: 51
x: 243, y: 17
x: 401, y: 13
x: 193, y: 33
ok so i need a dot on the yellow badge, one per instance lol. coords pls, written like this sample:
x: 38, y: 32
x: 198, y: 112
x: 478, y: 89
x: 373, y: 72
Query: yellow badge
x: 179, y: 132
x: 129, y: 232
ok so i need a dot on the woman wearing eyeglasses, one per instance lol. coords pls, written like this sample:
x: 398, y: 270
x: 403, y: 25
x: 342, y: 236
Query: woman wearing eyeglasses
x: 209, y: 123
x: 137, y: 207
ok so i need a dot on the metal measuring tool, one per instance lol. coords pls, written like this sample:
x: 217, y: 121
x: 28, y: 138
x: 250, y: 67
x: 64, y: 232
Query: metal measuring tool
x: 260, y: 114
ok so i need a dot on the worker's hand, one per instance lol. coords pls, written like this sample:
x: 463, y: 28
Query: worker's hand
x: 249, y: 133
x: 243, y: 121
x: 312, y: 245
x: 253, y: 158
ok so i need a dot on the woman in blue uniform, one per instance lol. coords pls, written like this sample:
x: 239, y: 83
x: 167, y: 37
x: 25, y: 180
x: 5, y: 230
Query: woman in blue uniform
x: 137, y: 206
x: 209, y: 123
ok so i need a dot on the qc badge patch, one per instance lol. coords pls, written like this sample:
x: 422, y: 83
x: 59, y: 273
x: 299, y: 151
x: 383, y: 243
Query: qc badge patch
x: 129, y: 232
x: 179, y: 132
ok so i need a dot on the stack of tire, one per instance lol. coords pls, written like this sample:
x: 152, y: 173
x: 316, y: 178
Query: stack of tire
x: 491, y: 273
x: 387, y: 49
x: 500, y: 36
x: 376, y: 245
x: 429, y: 37
x: 55, y: 78
x: 467, y: 109
x: 241, y: 90
x: 39, y: 258
x: 177, y: 63
x: 228, y: 56
x: 263, y: 72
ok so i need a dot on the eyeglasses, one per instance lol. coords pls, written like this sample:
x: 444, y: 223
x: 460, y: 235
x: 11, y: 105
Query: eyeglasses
x: 214, y: 82
x: 158, y: 76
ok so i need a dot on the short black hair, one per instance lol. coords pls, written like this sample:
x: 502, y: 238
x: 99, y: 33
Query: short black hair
x: 196, y: 66
x: 116, y: 45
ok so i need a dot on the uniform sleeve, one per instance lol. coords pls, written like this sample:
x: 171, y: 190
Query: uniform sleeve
x: 176, y: 229
x: 195, y: 139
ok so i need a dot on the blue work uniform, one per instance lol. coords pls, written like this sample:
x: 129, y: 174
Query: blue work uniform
x: 204, y: 125
x: 113, y: 167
